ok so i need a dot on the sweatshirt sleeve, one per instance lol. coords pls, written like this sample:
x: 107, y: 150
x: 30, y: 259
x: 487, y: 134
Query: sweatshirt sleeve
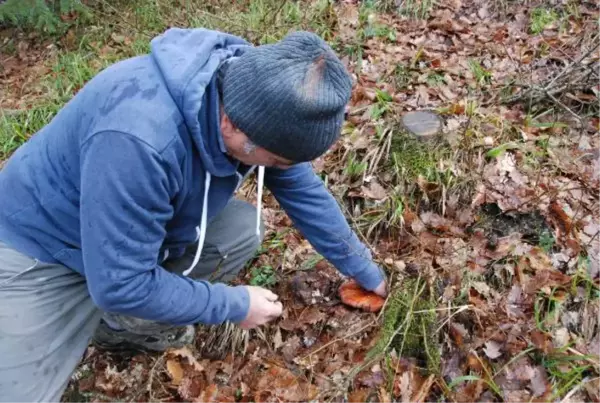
x: 315, y: 212
x: 125, y: 205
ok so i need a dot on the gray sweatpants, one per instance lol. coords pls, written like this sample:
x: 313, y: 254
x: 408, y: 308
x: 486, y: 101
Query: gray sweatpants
x: 47, y: 316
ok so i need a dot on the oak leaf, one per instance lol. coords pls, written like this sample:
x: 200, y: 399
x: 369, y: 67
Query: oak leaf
x: 282, y: 384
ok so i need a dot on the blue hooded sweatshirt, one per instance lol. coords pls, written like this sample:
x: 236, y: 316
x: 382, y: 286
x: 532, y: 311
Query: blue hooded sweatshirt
x: 131, y: 169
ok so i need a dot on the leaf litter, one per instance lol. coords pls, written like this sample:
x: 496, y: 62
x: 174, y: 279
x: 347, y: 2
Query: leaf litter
x: 502, y: 230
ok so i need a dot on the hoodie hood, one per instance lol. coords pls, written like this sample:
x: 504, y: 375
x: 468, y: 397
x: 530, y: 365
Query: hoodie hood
x: 188, y: 60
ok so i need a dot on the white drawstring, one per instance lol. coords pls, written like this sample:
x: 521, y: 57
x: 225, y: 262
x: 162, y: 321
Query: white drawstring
x: 202, y: 231
x: 261, y: 180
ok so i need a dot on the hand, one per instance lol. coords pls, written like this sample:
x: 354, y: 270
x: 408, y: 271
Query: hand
x: 381, y: 289
x: 264, y: 307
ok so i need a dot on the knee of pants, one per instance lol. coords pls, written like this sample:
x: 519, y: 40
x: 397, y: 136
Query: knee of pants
x: 231, y: 236
x: 236, y: 226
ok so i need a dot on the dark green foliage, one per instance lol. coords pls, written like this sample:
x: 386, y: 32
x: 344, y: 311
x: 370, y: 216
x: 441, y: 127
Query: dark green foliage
x: 40, y: 15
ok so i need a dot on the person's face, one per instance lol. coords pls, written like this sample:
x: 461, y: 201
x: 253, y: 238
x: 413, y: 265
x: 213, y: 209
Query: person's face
x: 241, y: 148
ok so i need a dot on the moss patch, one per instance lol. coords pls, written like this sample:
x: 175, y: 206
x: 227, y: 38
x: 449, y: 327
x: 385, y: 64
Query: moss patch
x: 409, y: 324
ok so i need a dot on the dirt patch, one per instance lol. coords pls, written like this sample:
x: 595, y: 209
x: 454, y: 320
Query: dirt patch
x: 498, y: 224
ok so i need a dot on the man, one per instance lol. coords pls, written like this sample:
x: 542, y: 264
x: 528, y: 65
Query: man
x: 117, y: 219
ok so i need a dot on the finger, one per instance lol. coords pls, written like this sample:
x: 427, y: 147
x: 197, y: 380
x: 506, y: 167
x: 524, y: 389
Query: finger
x: 276, y: 309
x: 269, y: 295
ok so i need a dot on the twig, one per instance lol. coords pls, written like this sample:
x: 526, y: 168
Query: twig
x: 151, y: 376
x: 565, y: 107
x: 368, y: 325
x: 538, y: 92
x: 281, y: 5
x: 570, y: 66
x: 574, y: 390
x: 461, y: 309
x: 583, y: 357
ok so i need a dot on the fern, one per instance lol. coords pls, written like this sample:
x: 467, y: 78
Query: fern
x: 39, y: 15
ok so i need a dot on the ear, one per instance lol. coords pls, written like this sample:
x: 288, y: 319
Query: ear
x: 227, y: 128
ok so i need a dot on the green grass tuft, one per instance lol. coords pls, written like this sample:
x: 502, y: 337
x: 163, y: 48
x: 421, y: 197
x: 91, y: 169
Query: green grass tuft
x: 18, y: 126
x: 409, y: 323
x: 540, y: 19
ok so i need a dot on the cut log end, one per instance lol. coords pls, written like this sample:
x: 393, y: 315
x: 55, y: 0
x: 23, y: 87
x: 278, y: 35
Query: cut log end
x: 424, y: 125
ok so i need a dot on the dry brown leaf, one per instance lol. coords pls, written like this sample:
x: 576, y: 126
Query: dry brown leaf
x: 312, y: 316
x: 591, y: 228
x: 541, y: 341
x: 514, y: 302
x: 290, y: 348
x: 539, y: 382
x: 384, y: 395
x: 458, y: 333
x: 423, y: 391
x: 358, y: 396
x: 406, y: 387
x: 175, y: 371
x: 185, y: 352
x: 374, y: 191
x: 190, y: 388
x: 208, y: 395
x: 352, y: 294
x: 492, y: 349
x: 283, y: 384
x: 277, y: 339
x: 561, y: 216
x: 483, y: 13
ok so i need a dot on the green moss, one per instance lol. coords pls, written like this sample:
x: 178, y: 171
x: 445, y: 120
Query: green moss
x: 411, y: 158
x: 409, y: 323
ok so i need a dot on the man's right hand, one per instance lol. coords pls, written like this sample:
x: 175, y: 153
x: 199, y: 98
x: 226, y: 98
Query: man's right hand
x: 264, y: 307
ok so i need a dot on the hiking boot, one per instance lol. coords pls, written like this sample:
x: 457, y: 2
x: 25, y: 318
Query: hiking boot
x: 108, y: 338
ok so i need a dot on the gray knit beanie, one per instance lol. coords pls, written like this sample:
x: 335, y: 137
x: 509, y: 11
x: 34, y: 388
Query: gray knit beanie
x: 288, y: 97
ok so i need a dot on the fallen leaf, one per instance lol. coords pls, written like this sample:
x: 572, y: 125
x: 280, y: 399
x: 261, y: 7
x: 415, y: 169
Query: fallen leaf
x: 184, y: 352
x: 561, y: 337
x: 352, y: 294
x: 175, y: 371
x: 384, y: 395
x: 371, y: 378
x: 483, y: 13
x: 283, y: 384
x: 423, y: 391
x: 290, y: 348
x: 358, y: 396
x: 539, y: 382
x: 190, y: 388
x: 540, y: 340
x: 458, y: 333
x: 277, y: 339
x: 562, y: 217
x: 592, y: 228
x: 209, y: 394
x: 492, y: 349
x: 374, y: 191
x: 514, y: 302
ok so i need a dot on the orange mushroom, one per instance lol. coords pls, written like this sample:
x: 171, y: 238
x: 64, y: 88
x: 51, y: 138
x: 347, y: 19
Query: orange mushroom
x: 352, y: 294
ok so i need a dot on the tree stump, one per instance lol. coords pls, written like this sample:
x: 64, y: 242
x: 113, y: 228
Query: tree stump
x: 424, y: 125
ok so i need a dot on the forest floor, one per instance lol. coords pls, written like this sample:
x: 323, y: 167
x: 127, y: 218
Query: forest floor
x: 490, y: 234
